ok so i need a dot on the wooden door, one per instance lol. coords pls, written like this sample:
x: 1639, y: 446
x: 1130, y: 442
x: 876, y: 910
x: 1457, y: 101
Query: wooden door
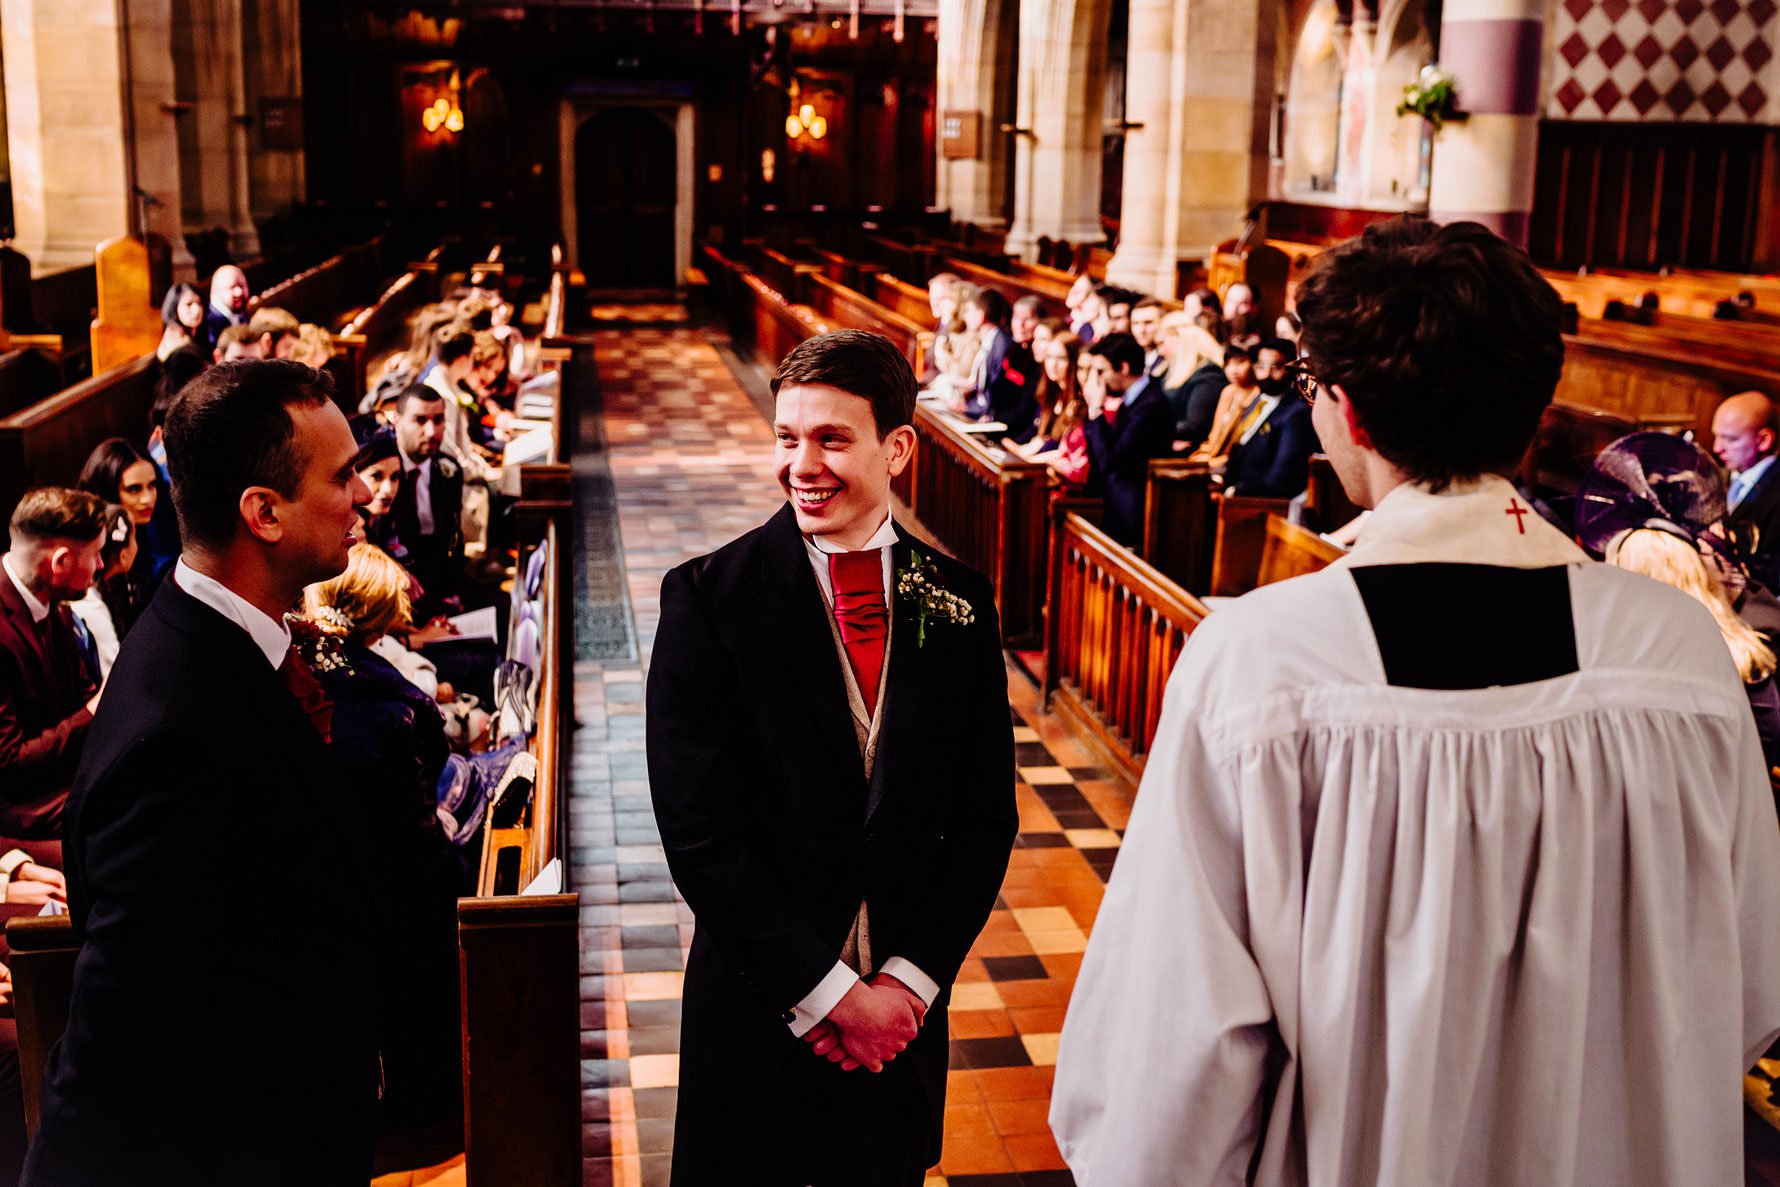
x: 625, y: 187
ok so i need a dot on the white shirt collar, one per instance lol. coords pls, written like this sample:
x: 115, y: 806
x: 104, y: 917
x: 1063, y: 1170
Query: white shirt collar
x: 409, y: 463
x: 39, y: 610
x: 884, y: 537
x: 819, y: 548
x: 1746, y: 479
x: 1482, y: 522
x: 271, y: 636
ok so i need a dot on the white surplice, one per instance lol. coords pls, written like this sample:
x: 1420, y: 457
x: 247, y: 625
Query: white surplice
x: 1362, y: 934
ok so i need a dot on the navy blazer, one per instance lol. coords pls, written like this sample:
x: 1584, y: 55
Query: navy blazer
x: 1275, y: 463
x: 1760, y: 510
x: 222, y: 1026
x: 1119, y: 457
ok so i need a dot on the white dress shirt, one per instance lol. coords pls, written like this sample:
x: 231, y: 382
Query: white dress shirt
x: 270, y: 635
x: 39, y: 610
x: 93, y: 611
x: 828, y: 992
x: 1745, y: 482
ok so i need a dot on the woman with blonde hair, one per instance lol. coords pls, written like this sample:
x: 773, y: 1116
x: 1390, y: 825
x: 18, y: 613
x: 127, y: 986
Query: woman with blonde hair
x: 1658, y: 553
x: 1195, y: 377
x: 315, y: 346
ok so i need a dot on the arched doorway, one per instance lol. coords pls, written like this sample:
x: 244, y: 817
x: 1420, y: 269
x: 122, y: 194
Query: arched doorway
x: 625, y: 187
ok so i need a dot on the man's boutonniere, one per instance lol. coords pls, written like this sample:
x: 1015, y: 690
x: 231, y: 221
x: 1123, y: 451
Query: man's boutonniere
x: 921, y: 585
x: 321, y: 649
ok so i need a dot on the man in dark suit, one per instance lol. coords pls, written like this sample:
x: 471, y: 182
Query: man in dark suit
x: 1746, y: 436
x: 252, y: 1057
x: 832, y: 769
x: 1008, y: 377
x: 1270, y: 446
x: 47, y: 697
x: 1123, y: 434
x: 228, y: 304
x: 424, y: 531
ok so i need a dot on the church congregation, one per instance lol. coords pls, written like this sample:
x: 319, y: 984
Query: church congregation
x: 890, y: 593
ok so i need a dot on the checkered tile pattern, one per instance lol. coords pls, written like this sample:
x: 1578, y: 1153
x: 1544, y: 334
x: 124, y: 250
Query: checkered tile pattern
x: 691, y: 469
x: 1663, y: 60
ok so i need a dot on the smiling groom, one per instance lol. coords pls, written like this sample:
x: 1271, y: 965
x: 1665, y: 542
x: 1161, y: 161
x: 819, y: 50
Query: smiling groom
x: 831, y: 759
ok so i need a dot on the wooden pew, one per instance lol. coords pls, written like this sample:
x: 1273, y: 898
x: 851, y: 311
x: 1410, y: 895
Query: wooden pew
x: 1293, y: 551
x: 321, y: 293
x: 841, y: 306
x: 900, y: 296
x: 1047, y: 289
x: 987, y: 508
x: 1116, y: 630
x: 1241, y: 539
x: 26, y: 376
x: 1180, y: 522
x: 48, y: 442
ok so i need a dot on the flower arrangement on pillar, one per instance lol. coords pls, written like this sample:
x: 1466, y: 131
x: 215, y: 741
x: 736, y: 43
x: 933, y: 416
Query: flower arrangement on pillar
x: 1432, y: 96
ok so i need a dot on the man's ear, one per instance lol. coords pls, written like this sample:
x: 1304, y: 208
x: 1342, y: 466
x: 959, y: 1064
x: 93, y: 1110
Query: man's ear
x: 60, y: 558
x: 259, y: 511
x: 901, y: 444
x: 1764, y: 441
x: 1355, y: 430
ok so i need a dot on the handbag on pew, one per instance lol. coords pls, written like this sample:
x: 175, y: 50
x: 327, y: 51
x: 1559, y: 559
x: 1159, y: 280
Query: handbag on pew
x: 516, y: 696
x: 514, y: 792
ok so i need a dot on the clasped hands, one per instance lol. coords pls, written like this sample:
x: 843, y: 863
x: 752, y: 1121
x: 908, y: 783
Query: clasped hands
x: 870, y: 1025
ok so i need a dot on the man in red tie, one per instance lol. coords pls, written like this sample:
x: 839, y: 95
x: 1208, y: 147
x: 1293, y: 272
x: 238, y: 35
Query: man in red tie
x: 831, y: 759
x: 209, y: 751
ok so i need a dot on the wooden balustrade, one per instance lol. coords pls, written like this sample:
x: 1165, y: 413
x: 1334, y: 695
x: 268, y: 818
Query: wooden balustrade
x: 1116, y: 630
x: 988, y: 509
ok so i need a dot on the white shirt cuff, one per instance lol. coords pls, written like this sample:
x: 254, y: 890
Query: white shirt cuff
x: 904, y: 971
x: 819, y: 1001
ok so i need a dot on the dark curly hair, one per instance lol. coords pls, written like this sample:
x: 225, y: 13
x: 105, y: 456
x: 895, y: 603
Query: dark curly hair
x: 859, y: 363
x: 1446, y: 339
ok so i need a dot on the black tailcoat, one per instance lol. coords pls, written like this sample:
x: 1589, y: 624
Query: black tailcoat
x: 221, y: 1028
x: 774, y: 835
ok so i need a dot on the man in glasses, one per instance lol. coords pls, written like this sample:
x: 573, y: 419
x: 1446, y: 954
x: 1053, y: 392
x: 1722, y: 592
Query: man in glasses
x: 1456, y: 862
x: 1270, y: 446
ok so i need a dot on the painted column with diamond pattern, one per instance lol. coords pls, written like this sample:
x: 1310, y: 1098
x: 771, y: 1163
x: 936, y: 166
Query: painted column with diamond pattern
x: 1483, y: 165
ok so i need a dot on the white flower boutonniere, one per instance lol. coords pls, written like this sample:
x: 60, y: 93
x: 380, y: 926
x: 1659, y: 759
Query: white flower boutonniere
x: 922, y: 587
x: 321, y: 649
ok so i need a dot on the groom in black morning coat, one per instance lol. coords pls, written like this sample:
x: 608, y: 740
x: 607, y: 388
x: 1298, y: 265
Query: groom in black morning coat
x: 759, y: 747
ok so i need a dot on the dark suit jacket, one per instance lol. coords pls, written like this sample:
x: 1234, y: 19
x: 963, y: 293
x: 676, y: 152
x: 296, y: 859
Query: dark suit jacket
x: 1119, y: 457
x: 1275, y: 464
x: 1195, y: 402
x: 1758, y: 515
x: 1009, y: 379
x: 436, y: 560
x: 215, y: 322
x: 43, y: 716
x: 221, y: 1026
x: 774, y: 835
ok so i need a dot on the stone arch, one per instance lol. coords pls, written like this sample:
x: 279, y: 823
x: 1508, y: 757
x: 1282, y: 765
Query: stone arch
x: 1315, y: 92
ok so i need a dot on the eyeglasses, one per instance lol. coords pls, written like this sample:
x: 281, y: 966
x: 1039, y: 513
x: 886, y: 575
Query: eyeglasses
x: 1304, y: 384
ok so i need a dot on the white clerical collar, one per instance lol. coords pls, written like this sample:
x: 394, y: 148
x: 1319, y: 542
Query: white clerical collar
x: 39, y: 610
x: 884, y: 537
x: 1481, y: 522
x: 270, y: 635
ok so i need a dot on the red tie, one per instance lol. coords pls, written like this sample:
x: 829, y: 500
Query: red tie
x: 311, y: 697
x: 858, y: 579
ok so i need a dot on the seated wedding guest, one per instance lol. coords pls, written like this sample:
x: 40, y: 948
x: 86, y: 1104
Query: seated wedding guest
x: 389, y: 736
x: 519, y: 368
x: 1270, y: 446
x: 276, y: 330
x: 423, y: 528
x: 489, y: 380
x: 1193, y: 379
x: 1746, y: 438
x: 1198, y: 301
x: 182, y: 320
x: 1059, y: 439
x: 1146, y: 327
x: 454, y: 358
x: 955, y: 347
x: 1029, y: 311
x: 1238, y: 394
x: 1046, y: 330
x: 228, y: 305
x: 1239, y: 308
x: 1001, y: 377
x: 123, y: 475
x: 47, y: 698
x: 314, y: 346
x: 1288, y: 327
x: 1123, y: 437
x: 240, y: 1068
x: 1092, y: 318
x: 97, y: 614
x: 409, y: 367
x: 944, y: 293
x: 1119, y: 303
x: 234, y: 343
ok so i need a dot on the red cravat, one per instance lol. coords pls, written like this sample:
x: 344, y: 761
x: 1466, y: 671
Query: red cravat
x: 858, y: 579
x: 311, y: 697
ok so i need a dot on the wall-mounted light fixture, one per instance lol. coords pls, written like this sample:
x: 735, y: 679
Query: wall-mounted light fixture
x: 805, y: 121
x: 443, y: 114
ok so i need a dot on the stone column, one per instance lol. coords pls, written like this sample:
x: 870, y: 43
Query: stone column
x: 273, y: 42
x: 1483, y: 167
x: 1198, y: 80
x: 153, y: 96
x: 1062, y: 91
x: 213, y: 136
x: 974, y: 58
x: 65, y: 122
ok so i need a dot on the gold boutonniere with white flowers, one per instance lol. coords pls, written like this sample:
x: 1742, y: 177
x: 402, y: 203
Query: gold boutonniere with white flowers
x: 920, y: 585
x: 321, y: 641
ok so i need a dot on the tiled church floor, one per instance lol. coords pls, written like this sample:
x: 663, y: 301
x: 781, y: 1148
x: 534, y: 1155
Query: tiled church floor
x: 690, y: 461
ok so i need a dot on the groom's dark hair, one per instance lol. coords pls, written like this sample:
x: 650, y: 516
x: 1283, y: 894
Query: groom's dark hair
x: 859, y: 363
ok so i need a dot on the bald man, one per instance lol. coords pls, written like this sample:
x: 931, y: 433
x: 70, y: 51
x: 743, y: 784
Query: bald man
x: 1745, y: 436
x: 228, y: 303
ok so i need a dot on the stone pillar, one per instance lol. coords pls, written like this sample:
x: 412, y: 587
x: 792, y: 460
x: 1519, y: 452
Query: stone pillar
x: 153, y: 97
x: 273, y: 41
x: 213, y: 136
x: 1483, y: 167
x: 65, y: 122
x: 1198, y: 80
x: 974, y: 59
x: 1062, y: 92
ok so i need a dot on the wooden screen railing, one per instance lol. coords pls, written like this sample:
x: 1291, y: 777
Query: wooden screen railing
x: 988, y: 509
x: 1116, y: 629
x: 1293, y: 551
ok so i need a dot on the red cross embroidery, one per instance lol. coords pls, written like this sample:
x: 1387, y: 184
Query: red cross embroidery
x: 1519, y: 513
